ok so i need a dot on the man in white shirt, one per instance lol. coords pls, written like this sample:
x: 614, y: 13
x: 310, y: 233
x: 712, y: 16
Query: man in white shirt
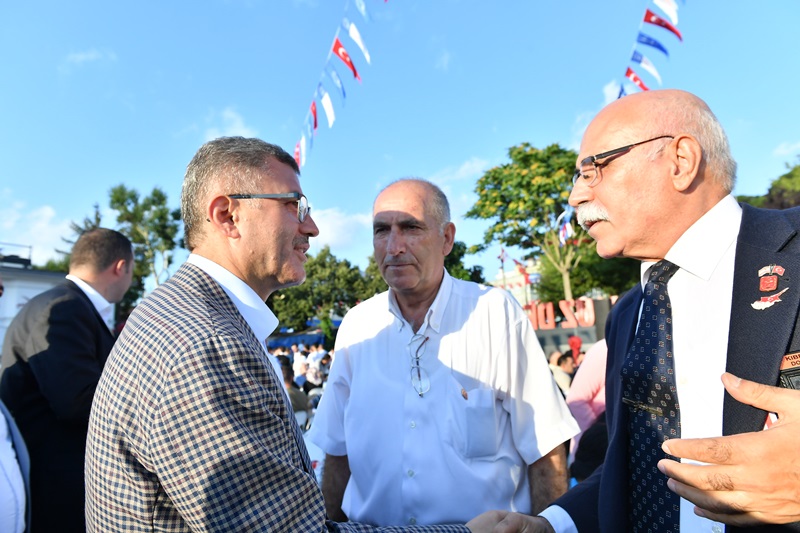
x: 654, y: 179
x: 440, y: 403
x: 53, y: 354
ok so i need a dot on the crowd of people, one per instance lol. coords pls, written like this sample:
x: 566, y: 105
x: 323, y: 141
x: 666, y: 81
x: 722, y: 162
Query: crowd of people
x: 440, y: 411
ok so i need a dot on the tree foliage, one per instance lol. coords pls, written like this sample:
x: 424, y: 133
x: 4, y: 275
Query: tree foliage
x: 61, y: 263
x: 152, y: 227
x: 331, y: 287
x: 784, y: 191
x: 524, y: 199
x: 454, y: 263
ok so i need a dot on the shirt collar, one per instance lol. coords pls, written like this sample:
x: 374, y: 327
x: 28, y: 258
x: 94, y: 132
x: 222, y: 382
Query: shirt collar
x: 701, y: 247
x: 255, y: 312
x: 435, y: 314
x: 104, y: 308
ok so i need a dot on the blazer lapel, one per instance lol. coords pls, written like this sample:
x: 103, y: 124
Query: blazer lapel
x: 763, y: 313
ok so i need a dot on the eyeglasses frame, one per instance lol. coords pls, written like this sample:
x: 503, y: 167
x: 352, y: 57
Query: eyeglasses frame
x: 302, y: 212
x: 416, y: 366
x: 593, y: 160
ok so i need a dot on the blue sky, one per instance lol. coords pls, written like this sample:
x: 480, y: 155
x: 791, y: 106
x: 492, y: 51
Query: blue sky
x: 98, y: 93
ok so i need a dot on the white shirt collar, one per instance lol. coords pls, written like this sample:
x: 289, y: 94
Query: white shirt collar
x: 701, y: 247
x: 435, y: 313
x: 255, y: 312
x: 104, y: 308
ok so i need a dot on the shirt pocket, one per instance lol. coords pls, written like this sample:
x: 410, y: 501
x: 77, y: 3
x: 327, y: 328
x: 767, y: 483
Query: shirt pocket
x: 473, y: 421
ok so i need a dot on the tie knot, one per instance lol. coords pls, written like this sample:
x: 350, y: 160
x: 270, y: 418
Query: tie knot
x: 662, y: 271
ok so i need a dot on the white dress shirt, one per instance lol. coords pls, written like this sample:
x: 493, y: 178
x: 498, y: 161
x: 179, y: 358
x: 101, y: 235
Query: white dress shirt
x: 253, y: 309
x: 461, y: 448
x: 104, y: 308
x: 12, y: 486
x: 700, y: 294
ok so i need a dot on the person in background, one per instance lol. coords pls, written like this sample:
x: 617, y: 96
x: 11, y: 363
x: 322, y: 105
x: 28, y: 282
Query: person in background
x: 586, y: 398
x: 53, y: 354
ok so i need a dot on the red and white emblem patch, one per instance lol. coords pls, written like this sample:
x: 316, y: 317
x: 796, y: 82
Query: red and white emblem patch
x: 768, y: 282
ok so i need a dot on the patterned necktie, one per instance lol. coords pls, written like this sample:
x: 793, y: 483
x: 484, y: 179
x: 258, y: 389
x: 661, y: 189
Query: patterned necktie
x: 648, y: 379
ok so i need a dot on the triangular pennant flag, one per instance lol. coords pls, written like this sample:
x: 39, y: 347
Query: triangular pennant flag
x: 297, y: 153
x: 309, y: 134
x: 631, y: 75
x: 669, y: 7
x: 362, y: 8
x: 652, y: 18
x: 621, y: 91
x: 352, y: 31
x: 337, y: 81
x: 314, y: 113
x: 646, y: 64
x: 339, y: 50
x: 303, y: 151
x: 649, y: 41
x: 327, y: 105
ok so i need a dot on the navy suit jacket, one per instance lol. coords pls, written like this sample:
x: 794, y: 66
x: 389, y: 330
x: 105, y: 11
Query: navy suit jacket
x: 757, y: 342
x: 53, y: 355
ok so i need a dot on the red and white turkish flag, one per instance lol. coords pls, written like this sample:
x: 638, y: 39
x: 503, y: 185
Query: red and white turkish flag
x: 631, y: 75
x: 314, y: 113
x: 338, y: 49
x: 652, y: 18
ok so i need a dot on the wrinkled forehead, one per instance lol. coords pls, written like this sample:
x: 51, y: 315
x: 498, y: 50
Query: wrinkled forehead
x: 403, y: 198
x: 613, y: 127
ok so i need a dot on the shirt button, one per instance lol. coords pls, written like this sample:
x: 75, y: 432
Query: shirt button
x: 410, y: 473
x: 413, y: 424
x: 412, y: 520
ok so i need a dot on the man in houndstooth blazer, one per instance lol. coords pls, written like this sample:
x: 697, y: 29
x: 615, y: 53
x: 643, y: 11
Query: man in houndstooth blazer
x: 190, y: 428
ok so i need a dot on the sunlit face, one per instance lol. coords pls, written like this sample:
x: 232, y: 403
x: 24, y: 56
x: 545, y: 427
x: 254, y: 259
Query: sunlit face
x: 409, y: 243
x: 273, y: 241
x: 622, y: 211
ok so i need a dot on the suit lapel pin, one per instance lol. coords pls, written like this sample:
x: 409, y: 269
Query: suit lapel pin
x: 768, y: 277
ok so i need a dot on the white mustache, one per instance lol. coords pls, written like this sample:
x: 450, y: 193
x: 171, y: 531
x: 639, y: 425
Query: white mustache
x: 590, y: 212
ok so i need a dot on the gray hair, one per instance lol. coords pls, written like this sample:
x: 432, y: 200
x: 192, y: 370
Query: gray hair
x: 695, y: 118
x: 235, y: 164
x: 439, y: 206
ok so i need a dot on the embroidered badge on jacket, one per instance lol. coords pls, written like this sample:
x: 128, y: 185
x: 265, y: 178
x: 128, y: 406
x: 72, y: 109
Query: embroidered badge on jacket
x: 768, y: 278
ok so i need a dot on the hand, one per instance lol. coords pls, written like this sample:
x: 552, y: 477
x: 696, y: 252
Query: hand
x: 506, y: 522
x: 751, y: 478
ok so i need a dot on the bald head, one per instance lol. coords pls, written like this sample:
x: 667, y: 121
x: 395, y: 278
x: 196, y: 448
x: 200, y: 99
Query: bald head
x: 670, y: 112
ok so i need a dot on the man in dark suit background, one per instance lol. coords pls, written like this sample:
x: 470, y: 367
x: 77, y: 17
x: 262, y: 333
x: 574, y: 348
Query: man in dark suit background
x: 653, y: 183
x: 53, y: 354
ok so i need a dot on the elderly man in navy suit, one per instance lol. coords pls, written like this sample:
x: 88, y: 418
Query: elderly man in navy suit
x: 53, y: 355
x: 703, y: 424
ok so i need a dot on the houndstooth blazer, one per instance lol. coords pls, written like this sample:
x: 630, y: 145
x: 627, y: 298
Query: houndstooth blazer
x: 191, y: 429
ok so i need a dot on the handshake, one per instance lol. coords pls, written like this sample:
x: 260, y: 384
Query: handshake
x: 507, y: 522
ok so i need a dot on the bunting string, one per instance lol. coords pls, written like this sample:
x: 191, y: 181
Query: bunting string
x: 669, y: 23
x: 330, y: 76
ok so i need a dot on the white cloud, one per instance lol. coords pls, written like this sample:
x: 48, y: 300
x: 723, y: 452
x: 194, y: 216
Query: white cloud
x: 610, y: 92
x: 78, y: 59
x: 472, y: 169
x: 443, y: 61
x: 349, y: 235
x: 39, y: 228
x: 786, y: 148
x: 232, y: 125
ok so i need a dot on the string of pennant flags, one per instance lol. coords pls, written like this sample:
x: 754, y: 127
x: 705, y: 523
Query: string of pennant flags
x: 669, y: 22
x: 348, y: 31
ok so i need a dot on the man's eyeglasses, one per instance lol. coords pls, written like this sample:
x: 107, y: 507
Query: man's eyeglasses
x: 302, y: 201
x: 589, y: 168
x: 419, y: 378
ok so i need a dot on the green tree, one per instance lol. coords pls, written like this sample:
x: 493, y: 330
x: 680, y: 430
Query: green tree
x: 152, y: 228
x: 331, y: 287
x: 454, y: 263
x: 524, y: 199
x: 372, y: 282
x: 784, y: 191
